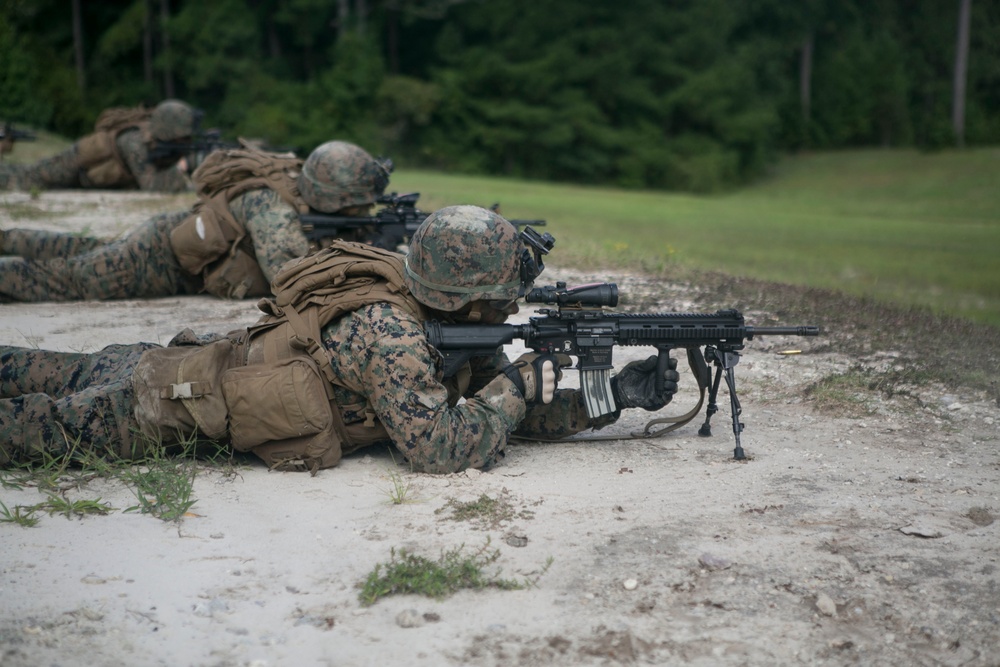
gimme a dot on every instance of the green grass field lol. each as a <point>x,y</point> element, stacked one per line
<point>900,226</point>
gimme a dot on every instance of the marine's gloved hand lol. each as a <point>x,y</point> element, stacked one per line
<point>535,376</point>
<point>635,385</point>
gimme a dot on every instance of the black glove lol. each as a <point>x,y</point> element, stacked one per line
<point>635,385</point>
<point>535,376</point>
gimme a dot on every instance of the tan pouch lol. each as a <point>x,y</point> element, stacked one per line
<point>236,276</point>
<point>179,390</point>
<point>94,148</point>
<point>275,401</point>
<point>107,174</point>
<point>198,240</point>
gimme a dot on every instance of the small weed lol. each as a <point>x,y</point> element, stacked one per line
<point>485,512</point>
<point>78,508</point>
<point>453,571</point>
<point>399,493</point>
<point>22,515</point>
<point>164,489</point>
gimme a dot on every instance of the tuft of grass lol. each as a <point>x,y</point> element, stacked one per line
<point>73,508</point>
<point>164,489</point>
<point>484,512</point>
<point>454,570</point>
<point>399,492</point>
<point>22,515</point>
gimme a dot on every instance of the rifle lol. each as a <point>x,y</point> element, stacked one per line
<point>196,149</point>
<point>580,326</point>
<point>391,227</point>
<point>8,135</point>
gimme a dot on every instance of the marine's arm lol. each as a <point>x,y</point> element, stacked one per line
<point>274,228</point>
<point>149,177</point>
<point>383,355</point>
<point>564,416</point>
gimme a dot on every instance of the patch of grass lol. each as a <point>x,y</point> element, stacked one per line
<point>485,512</point>
<point>844,394</point>
<point>454,570</point>
<point>22,515</point>
<point>73,508</point>
<point>853,393</point>
<point>162,481</point>
<point>24,211</point>
<point>164,489</point>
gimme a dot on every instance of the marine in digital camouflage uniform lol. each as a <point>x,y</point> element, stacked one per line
<point>337,177</point>
<point>169,121</point>
<point>463,265</point>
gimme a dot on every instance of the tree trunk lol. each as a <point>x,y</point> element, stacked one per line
<point>81,72</point>
<point>168,72</point>
<point>147,43</point>
<point>392,38</point>
<point>961,66</point>
<point>361,15</point>
<point>805,85</point>
<point>343,13</point>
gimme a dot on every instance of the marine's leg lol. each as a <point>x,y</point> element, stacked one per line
<point>89,408</point>
<point>61,170</point>
<point>38,244</point>
<point>97,420</point>
<point>58,374</point>
<point>140,265</point>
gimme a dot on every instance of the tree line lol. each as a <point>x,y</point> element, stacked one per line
<point>694,95</point>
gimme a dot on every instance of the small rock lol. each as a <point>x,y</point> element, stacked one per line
<point>826,605</point>
<point>409,618</point>
<point>712,562</point>
<point>630,584</point>
<point>517,540</point>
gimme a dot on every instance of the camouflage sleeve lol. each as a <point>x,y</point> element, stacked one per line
<point>274,228</point>
<point>381,352</point>
<point>564,416</point>
<point>149,177</point>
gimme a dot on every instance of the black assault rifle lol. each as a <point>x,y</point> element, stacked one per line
<point>580,326</point>
<point>8,135</point>
<point>195,149</point>
<point>391,227</point>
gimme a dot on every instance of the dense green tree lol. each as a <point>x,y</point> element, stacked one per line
<point>649,93</point>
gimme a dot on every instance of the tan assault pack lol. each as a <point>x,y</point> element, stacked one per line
<point>97,153</point>
<point>273,388</point>
<point>211,242</point>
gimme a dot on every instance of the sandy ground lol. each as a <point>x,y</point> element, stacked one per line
<point>866,540</point>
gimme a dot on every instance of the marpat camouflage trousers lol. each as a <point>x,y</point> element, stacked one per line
<point>65,267</point>
<point>58,171</point>
<point>65,403</point>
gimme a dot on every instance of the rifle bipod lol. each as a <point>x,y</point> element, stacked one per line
<point>724,362</point>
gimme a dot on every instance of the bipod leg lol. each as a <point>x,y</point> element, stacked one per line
<point>730,359</point>
<point>711,355</point>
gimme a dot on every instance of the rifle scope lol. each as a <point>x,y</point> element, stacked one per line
<point>594,295</point>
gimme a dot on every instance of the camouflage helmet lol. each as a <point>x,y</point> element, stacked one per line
<point>172,120</point>
<point>339,174</point>
<point>463,253</point>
